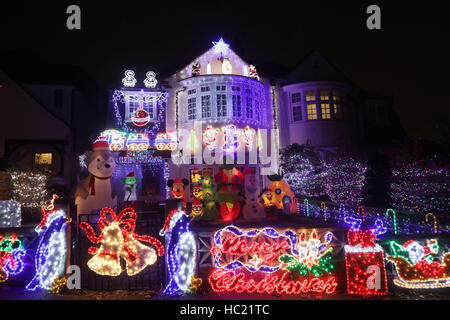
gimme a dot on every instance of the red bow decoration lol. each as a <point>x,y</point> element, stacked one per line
<point>363,238</point>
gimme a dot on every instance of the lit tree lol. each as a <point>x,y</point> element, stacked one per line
<point>302,170</point>
<point>344,180</point>
<point>29,188</point>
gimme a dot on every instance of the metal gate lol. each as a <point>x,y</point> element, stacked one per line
<point>151,278</point>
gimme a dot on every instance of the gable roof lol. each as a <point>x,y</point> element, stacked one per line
<point>315,67</point>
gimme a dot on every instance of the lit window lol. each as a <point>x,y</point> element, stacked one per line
<point>237,109</point>
<point>310,96</point>
<point>191,108</point>
<point>324,95</point>
<point>257,110</point>
<point>133,105</point>
<point>297,113</point>
<point>221,105</point>
<point>204,89</point>
<point>311,111</point>
<point>338,111</point>
<point>148,106</point>
<point>296,97</point>
<point>337,95</point>
<point>43,158</point>
<point>326,114</point>
<point>192,91</point>
<point>206,107</point>
<point>221,88</point>
<point>59,98</point>
<point>249,109</point>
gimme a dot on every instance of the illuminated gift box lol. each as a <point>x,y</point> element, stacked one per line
<point>10,214</point>
<point>364,260</point>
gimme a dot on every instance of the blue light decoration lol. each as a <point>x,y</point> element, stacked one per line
<point>51,252</point>
<point>355,223</point>
<point>12,256</point>
<point>181,254</point>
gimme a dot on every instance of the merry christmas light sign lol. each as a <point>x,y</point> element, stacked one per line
<point>269,261</point>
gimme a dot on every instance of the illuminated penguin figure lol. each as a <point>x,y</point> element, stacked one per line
<point>50,258</point>
<point>181,254</point>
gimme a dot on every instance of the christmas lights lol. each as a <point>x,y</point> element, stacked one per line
<point>29,188</point>
<point>10,214</point>
<point>394,218</point>
<point>181,253</point>
<point>129,80</point>
<point>364,261</point>
<point>220,47</point>
<point>12,256</point>
<point>435,221</point>
<point>150,80</point>
<point>274,283</point>
<point>50,256</point>
<point>210,137</point>
<point>420,266</point>
<point>118,240</point>
<point>166,141</point>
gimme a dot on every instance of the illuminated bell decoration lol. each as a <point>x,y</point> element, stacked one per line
<point>118,240</point>
<point>129,80</point>
<point>150,81</point>
<point>419,266</point>
<point>140,117</point>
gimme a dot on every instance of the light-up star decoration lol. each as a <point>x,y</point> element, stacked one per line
<point>220,47</point>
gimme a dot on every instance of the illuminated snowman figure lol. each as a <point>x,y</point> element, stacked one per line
<point>150,81</point>
<point>226,66</point>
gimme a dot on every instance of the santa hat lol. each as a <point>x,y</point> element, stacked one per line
<point>100,145</point>
<point>198,187</point>
<point>130,175</point>
<point>195,169</point>
<point>196,202</point>
<point>249,171</point>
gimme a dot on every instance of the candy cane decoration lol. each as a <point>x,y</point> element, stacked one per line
<point>362,211</point>
<point>305,202</point>
<point>435,222</point>
<point>394,218</point>
<point>324,206</point>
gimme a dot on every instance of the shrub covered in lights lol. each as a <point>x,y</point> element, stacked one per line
<point>302,170</point>
<point>29,188</point>
<point>420,186</point>
<point>344,180</point>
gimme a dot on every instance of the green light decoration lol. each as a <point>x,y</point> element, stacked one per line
<point>305,202</point>
<point>394,218</point>
<point>323,266</point>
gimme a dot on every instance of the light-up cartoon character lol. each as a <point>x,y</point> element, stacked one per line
<point>210,137</point>
<point>95,192</point>
<point>130,188</point>
<point>209,196</point>
<point>178,189</point>
<point>252,208</point>
<point>196,68</point>
<point>226,66</point>
<point>229,186</point>
<point>181,257</point>
<point>129,80</point>
<point>12,256</point>
<point>50,259</point>
<point>119,240</point>
<point>253,73</point>
<point>230,135</point>
<point>281,195</point>
<point>150,80</point>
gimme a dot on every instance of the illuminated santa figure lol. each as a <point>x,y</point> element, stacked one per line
<point>140,117</point>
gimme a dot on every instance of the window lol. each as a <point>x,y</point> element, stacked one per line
<point>249,109</point>
<point>221,105</point>
<point>221,88</point>
<point>148,106</point>
<point>43,158</point>
<point>297,113</point>
<point>325,108</point>
<point>204,89</point>
<point>234,88</point>
<point>133,104</point>
<point>192,91</point>
<point>58,101</point>
<point>237,108</point>
<point>192,104</point>
<point>338,111</point>
<point>296,97</point>
<point>310,96</point>
<point>311,111</point>
<point>324,95</point>
<point>206,107</point>
<point>337,96</point>
<point>257,110</point>
<point>248,91</point>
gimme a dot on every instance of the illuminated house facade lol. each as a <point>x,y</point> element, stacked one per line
<point>219,102</point>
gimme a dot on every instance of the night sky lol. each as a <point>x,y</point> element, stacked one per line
<point>408,59</point>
